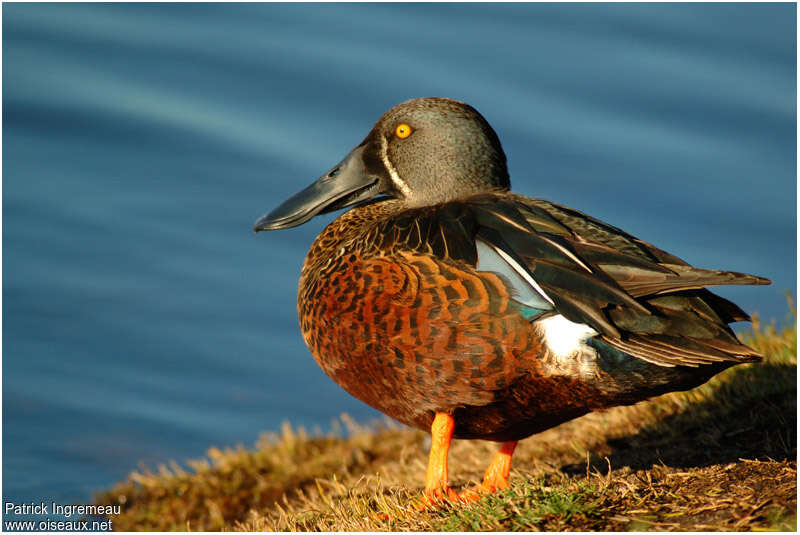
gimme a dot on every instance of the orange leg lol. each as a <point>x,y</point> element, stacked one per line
<point>496,476</point>
<point>436,488</point>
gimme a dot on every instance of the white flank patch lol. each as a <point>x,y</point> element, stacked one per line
<point>564,337</point>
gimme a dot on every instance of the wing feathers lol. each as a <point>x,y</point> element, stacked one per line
<point>526,290</point>
<point>639,281</point>
<point>641,300</point>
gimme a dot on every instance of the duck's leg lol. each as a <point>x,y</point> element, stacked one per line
<point>436,488</point>
<point>496,476</point>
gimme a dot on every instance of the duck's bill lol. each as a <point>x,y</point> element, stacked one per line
<point>346,184</point>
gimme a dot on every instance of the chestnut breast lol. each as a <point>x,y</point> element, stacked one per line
<point>406,332</point>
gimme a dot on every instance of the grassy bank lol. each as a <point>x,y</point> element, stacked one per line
<point>719,457</point>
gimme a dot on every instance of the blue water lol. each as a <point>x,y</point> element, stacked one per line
<point>143,319</point>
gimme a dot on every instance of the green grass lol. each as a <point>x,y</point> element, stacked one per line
<point>527,506</point>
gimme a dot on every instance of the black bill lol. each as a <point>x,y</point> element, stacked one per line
<point>346,184</point>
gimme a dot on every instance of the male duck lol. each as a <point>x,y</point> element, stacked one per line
<point>452,304</point>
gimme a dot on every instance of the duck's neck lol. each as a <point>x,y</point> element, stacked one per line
<point>444,192</point>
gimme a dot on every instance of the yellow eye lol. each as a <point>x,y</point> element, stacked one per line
<point>402,131</point>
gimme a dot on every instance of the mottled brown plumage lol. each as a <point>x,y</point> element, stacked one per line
<point>454,302</point>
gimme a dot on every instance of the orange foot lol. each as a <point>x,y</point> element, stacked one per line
<point>496,476</point>
<point>437,497</point>
<point>437,491</point>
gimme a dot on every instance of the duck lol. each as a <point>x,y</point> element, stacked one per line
<point>454,305</point>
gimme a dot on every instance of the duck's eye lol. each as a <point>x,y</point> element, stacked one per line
<point>402,131</point>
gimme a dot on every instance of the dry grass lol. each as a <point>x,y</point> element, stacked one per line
<point>719,457</point>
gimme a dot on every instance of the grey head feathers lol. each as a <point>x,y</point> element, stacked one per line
<point>450,153</point>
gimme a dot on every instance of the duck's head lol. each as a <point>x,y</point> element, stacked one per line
<point>423,152</point>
